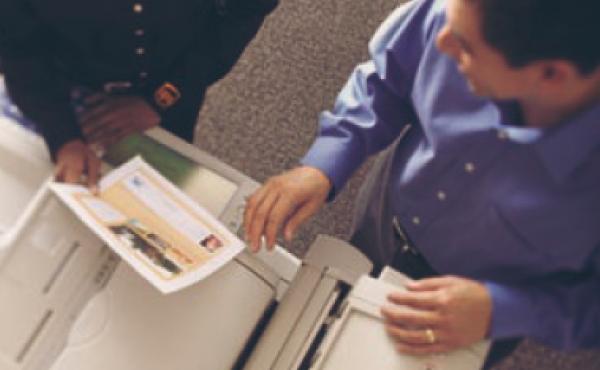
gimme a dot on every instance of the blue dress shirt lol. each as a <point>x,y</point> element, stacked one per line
<point>479,194</point>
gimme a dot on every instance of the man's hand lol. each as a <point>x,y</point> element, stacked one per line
<point>115,117</point>
<point>438,315</point>
<point>284,201</point>
<point>76,163</point>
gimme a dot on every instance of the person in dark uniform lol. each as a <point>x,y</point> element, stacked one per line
<point>133,64</point>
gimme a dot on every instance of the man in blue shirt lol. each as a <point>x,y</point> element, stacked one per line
<point>490,199</point>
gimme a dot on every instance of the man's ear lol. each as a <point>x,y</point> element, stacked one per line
<point>557,72</point>
<point>549,72</point>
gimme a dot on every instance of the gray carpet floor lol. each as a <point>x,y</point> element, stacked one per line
<point>263,116</point>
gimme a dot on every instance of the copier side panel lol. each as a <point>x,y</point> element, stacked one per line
<point>51,267</point>
<point>24,166</point>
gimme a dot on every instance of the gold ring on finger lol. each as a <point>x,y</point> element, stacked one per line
<point>430,334</point>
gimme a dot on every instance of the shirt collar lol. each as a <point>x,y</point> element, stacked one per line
<point>566,146</point>
<point>511,123</point>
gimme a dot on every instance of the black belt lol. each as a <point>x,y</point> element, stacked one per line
<point>407,258</point>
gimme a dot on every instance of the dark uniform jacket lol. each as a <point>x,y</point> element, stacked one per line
<point>47,47</point>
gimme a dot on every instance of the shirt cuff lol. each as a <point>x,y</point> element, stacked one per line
<point>328,154</point>
<point>514,312</point>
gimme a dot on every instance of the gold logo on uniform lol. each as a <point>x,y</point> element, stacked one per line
<point>166,95</point>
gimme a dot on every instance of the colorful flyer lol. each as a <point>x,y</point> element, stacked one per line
<point>164,235</point>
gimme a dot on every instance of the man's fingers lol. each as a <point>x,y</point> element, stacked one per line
<point>407,336</point>
<point>112,133</point>
<point>427,300</point>
<point>406,316</point>
<point>433,283</point>
<point>112,136</point>
<point>59,172</point>
<point>295,188</point>
<point>106,126</point>
<point>303,214</point>
<point>257,225</point>
<point>90,117</point>
<point>422,349</point>
<point>252,204</point>
<point>92,130</point>
<point>72,161</point>
<point>72,174</point>
<point>277,216</point>
<point>93,171</point>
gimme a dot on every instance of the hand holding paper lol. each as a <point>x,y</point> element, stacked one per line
<point>165,236</point>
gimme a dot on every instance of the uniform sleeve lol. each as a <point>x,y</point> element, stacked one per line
<point>374,105</point>
<point>230,28</point>
<point>237,23</point>
<point>561,311</point>
<point>33,83</point>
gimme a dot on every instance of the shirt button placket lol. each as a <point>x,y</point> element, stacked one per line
<point>139,32</point>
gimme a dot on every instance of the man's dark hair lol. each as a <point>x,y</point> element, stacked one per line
<point>525,31</point>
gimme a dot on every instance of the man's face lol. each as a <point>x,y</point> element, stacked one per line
<point>484,67</point>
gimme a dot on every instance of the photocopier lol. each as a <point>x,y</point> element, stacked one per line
<point>68,303</point>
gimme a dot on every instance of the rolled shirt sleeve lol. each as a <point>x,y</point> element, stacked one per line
<point>374,105</point>
<point>562,313</point>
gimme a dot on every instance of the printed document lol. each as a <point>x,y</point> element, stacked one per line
<point>164,235</point>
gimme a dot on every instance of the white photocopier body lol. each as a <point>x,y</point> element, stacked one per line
<point>67,303</point>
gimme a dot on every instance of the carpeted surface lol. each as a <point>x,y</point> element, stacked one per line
<point>262,117</point>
